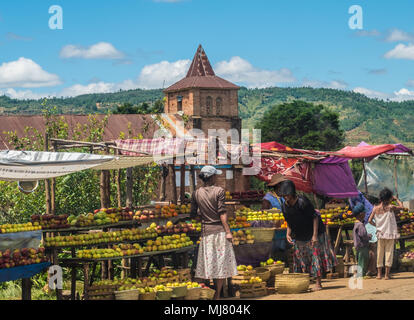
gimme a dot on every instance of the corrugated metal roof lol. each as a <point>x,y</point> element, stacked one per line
<point>117,123</point>
<point>201,75</point>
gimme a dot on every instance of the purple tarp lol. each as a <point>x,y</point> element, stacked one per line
<point>332,177</point>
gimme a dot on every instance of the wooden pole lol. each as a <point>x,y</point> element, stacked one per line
<point>163,182</point>
<point>174,185</point>
<point>129,186</point>
<point>53,187</point>
<point>365,176</point>
<point>118,187</point>
<point>182,183</point>
<point>192,179</point>
<point>47,181</point>
<point>395,176</point>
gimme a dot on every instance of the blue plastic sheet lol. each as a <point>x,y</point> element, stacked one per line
<point>22,272</point>
<point>20,240</point>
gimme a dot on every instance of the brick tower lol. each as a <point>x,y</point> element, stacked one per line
<point>210,101</point>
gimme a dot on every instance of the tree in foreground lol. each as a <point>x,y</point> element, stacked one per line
<point>302,125</point>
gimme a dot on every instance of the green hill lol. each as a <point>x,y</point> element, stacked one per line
<point>362,118</point>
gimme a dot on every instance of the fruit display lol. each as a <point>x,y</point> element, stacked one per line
<point>228,195</point>
<point>238,223</point>
<point>243,268</point>
<point>22,227</point>
<point>101,217</point>
<point>116,251</point>
<point>163,273</point>
<point>273,218</point>
<point>270,262</point>
<point>337,216</point>
<point>242,237</point>
<point>100,237</point>
<point>252,280</point>
<point>174,241</point>
<point>161,287</point>
<point>405,214</point>
<point>407,229</point>
<point>145,215</point>
<point>182,227</point>
<point>251,194</point>
<point>169,211</point>
<point>21,257</point>
<point>184,208</point>
<point>50,221</point>
<point>407,255</point>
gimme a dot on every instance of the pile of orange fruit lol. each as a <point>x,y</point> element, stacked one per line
<point>239,222</point>
<point>168,211</point>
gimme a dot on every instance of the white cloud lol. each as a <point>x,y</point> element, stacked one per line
<point>372,94</point>
<point>334,84</point>
<point>241,71</point>
<point>24,94</point>
<point>400,95</point>
<point>97,87</point>
<point>100,50</point>
<point>401,51</point>
<point>404,94</point>
<point>25,73</point>
<point>396,35</point>
<point>153,75</point>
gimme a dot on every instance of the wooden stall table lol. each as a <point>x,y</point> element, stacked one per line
<point>135,269</point>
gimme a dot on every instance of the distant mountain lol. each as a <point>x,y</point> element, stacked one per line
<point>371,120</point>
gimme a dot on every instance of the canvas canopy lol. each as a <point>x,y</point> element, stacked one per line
<point>39,165</point>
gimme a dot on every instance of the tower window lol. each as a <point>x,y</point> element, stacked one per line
<point>179,103</point>
<point>209,105</point>
<point>219,105</point>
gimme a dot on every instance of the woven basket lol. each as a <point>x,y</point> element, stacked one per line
<point>147,296</point>
<point>127,295</point>
<point>276,269</point>
<point>407,262</point>
<point>164,295</point>
<point>263,234</point>
<point>207,294</point>
<point>292,283</point>
<point>263,273</point>
<point>193,294</point>
<point>179,292</point>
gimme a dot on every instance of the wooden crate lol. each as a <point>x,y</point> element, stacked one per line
<point>247,294</point>
<point>260,292</point>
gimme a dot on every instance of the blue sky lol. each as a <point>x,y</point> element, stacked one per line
<point>109,45</point>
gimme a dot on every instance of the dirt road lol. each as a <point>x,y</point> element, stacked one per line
<point>401,287</point>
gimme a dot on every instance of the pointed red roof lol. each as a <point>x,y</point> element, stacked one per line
<point>200,65</point>
<point>201,75</point>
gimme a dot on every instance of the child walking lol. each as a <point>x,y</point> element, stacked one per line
<point>361,240</point>
<point>387,230</point>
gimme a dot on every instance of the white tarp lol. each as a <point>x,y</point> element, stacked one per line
<point>38,165</point>
<point>380,174</point>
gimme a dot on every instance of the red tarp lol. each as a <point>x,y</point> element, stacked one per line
<point>364,151</point>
